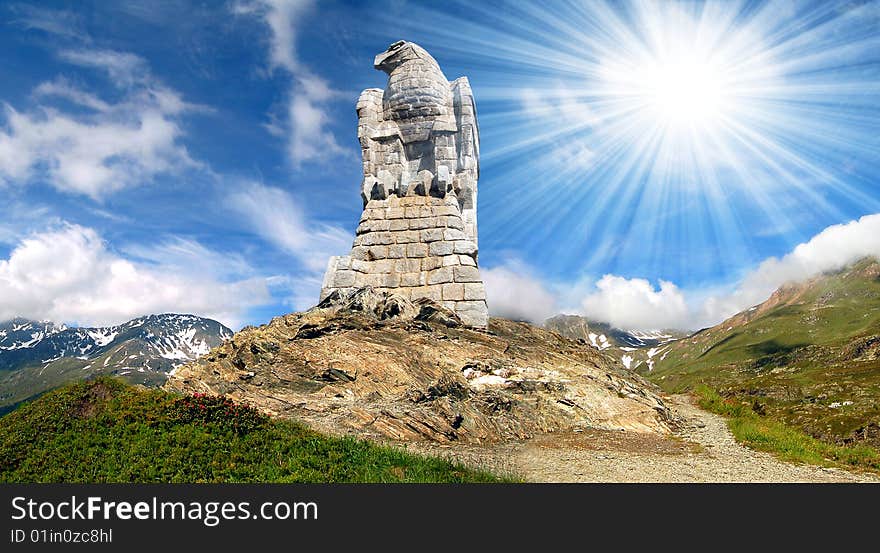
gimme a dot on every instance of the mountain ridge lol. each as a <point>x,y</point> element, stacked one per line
<point>39,355</point>
<point>809,356</point>
<point>631,348</point>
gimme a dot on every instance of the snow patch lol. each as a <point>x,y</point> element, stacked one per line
<point>102,336</point>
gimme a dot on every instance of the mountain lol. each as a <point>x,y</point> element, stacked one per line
<point>37,356</point>
<point>634,349</point>
<point>808,356</point>
<point>379,365</point>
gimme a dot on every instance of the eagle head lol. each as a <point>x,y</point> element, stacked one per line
<point>396,54</point>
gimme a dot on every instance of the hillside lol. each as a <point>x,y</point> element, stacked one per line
<point>634,349</point>
<point>809,356</point>
<point>107,431</point>
<point>38,356</point>
<point>377,365</point>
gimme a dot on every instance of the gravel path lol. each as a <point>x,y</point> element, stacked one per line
<point>704,451</point>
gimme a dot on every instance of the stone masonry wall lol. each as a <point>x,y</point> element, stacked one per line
<point>416,247</point>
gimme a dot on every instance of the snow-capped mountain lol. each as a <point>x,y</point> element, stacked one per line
<point>632,348</point>
<point>35,356</point>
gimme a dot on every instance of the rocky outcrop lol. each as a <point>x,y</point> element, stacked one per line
<point>380,365</point>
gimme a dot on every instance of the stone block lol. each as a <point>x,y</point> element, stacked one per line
<point>431,292</point>
<point>377,252</point>
<point>408,265</point>
<point>442,275</point>
<point>371,279</point>
<point>413,212</point>
<point>453,292</point>
<point>382,238</point>
<point>395,213</point>
<point>421,223</point>
<point>360,253</point>
<point>397,225</point>
<point>406,236</point>
<point>390,280</point>
<point>416,250</point>
<point>474,291</point>
<point>450,260</point>
<point>371,225</point>
<point>360,265</point>
<point>383,266</point>
<point>466,274</point>
<point>411,279</point>
<point>467,260</point>
<point>464,247</point>
<point>396,251</point>
<point>441,248</point>
<point>431,263</point>
<point>431,235</point>
<point>452,234</point>
<point>455,222</point>
<point>342,279</point>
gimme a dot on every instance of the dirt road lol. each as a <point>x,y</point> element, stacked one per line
<point>704,451</point>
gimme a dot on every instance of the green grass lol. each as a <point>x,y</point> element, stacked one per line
<point>108,431</point>
<point>787,443</point>
<point>810,363</point>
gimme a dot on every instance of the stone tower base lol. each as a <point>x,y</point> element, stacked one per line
<point>416,247</point>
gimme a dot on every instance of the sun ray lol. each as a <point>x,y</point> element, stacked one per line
<point>673,139</point>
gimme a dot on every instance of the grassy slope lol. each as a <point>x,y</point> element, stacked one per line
<point>107,431</point>
<point>767,434</point>
<point>794,360</point>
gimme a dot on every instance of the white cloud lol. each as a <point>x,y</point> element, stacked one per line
<point>91,157</point>
<point>114,146</point>
<point>513,292</point>
<point>123,68</point>
<point>309,138</point>
<point>61,88</point>
<point>307,117</point>
<point>69,274</point>
<point>274,215</point>
<point>282,17</point>
<point>635,303</point>
<point>61,23</point>
<point>834,248</point>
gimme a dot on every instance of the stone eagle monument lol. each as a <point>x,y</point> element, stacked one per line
<point>421,155</point>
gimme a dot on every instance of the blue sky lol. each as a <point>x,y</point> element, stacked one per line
<point>202,157</point>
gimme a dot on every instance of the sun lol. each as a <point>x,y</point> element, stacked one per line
<point>683,90</point>
<point>684,79</point>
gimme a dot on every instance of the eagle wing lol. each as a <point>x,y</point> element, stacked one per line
<point>468,147</point>
<point>369,111</point>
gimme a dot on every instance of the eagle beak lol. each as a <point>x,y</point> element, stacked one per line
<point>379,62</point>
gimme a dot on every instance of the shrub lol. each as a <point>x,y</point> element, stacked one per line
<point>217,410</point>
